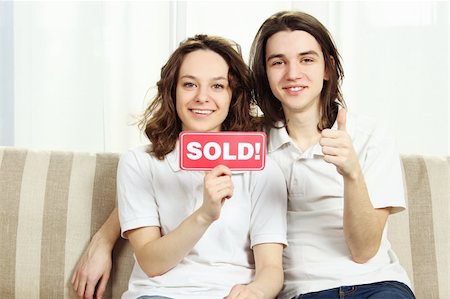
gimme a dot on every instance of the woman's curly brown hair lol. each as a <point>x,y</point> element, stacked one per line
<point>160,121</point>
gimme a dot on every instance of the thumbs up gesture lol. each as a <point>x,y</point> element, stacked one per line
<point>342,120</point>
<point>338,149</point>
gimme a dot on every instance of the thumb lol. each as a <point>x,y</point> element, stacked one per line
<point>342,119</point>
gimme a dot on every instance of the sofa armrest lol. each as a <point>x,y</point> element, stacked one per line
<point>420,235</point>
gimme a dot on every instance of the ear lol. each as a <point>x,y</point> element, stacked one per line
<point>326,76</point>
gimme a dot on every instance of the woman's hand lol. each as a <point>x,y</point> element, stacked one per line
<point>240,291</point>
<point>218,187</point>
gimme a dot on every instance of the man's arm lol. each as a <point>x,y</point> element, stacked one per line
<point>363,224</point>
<point>158,254</point>
<point>92,271</point>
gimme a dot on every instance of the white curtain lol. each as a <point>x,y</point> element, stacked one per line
<point>84,70</point>
<point>73,75</point>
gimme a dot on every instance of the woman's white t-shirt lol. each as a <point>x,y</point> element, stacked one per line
<point>158,193</point>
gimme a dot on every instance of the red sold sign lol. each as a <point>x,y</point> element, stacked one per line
<point>236,150</point>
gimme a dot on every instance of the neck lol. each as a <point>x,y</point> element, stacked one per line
<point>302,128</point>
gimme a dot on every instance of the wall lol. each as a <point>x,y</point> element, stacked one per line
<point>74,75</point>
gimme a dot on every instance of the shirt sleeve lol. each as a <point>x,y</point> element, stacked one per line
<point>382,170</point>
<point>135,195</point>
<point>269,204</point>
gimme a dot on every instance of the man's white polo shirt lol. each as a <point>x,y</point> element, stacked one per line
<point>317,257</point>
<point>157,193</point>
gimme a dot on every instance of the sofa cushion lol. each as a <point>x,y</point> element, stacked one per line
<point>51,204</point>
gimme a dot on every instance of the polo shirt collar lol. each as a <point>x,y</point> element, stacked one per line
<point>279,137</point>
<point>173,158</point>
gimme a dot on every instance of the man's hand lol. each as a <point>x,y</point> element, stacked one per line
<point>338,149</point>
<point>92,271</point>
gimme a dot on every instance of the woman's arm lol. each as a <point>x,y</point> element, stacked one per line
<point>158,254</point>
<point>92,271</point>
<point>268,277</point>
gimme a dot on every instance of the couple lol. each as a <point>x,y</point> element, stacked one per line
<point>333,178</point>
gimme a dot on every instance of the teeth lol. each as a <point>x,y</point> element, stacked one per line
<point>206,112</point>
<point>296,88</point>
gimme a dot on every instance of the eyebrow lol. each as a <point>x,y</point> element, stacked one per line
<point>195,78</point>
<point>310,52</point>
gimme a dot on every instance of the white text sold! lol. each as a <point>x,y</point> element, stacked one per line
<point>236,150</point>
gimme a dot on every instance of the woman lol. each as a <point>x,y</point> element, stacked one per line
<point>196,235</point>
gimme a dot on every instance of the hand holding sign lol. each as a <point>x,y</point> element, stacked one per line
<point>236,150</point>
<point>337,147</point>
<point>218,187</point>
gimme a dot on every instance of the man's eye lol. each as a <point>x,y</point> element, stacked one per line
<point>218,86</point>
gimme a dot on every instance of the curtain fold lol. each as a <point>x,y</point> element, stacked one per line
<point>6,74</point>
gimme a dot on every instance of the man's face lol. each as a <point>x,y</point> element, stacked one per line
<point>295,69</point>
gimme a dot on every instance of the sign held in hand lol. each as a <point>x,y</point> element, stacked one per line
<point>236,150</point>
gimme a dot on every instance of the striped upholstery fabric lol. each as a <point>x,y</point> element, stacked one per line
<point>52,202</point>
<point>420,235</point>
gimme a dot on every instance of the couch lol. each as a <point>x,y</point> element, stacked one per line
<point>52,202</point>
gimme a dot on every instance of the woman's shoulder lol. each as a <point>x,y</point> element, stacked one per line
<point>139,154</point>
<point>141,150</point>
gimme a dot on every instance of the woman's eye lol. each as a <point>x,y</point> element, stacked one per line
<point>307,60</point>
<point>218,86</point>
<point>188,84</point>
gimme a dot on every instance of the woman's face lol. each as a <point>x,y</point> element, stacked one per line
<point>203,93</point>
<point>296,70</point>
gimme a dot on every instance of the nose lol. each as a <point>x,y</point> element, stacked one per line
<point>202,95</point>
<point>294,71</point>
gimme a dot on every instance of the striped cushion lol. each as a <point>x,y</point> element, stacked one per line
<point>52,202</point>
<point>420,235</point>
<point>50,205</point>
